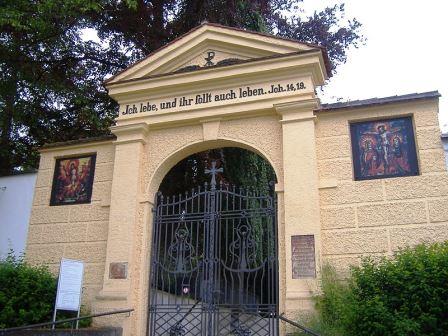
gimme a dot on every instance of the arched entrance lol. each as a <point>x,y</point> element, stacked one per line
<point>169,110</point>
<point>214,262</point>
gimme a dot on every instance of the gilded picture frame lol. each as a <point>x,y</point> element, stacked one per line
<point>73,180</point>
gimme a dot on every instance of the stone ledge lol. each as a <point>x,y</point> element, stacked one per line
<point>102,138</point>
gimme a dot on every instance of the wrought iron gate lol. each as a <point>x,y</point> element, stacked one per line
<point>214,263</point>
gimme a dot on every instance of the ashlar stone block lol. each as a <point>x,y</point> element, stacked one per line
<point>438,210</point>
<point>44,178</point>
<point>63,233</point>
<point>354,241</point>
<point>411,236</point>
<point>352,192</point>
<point>93,273</point>
<point>42,196</point>
<point>47,161</point>
<point>88,212</point>
<point>89,252</point>
<point>432,161</point>
<point>392,214</point>
<point>47,214</point>
<point>342,264</point>
<point>333,147</point>
<point>101,191</point>
<point>426,117</point>
<point>105,153</point>
<point>428,138</point>
<point>34,234</point>
<point>97,231</point>
<point>104,172</point>
<point>337,218</point>
<point>39,254</point>
<point>416,187</point>
<point>340,169</point>
<point>332,126</point>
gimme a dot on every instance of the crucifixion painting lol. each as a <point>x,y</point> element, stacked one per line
<point>383,148</point>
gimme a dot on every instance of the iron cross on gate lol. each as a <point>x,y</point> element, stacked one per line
<point>213,171</point>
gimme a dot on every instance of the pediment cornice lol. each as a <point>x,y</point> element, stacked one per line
<point>195,48</point>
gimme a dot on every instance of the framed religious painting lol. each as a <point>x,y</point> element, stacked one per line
<point>73,180</point>
<point>383,148</point>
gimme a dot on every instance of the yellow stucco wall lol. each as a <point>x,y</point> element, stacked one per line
<point>163,149</point>
<point>73,231</point>
<point>308,148</point>
<point>378,217</point>
<point>257,134</point>
<point>357,218</point>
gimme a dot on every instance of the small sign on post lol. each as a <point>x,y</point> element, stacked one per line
<point>68,296</point>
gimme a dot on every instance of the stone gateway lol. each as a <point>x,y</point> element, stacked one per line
<point>353,179</point>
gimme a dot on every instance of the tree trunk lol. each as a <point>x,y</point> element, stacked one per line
<point>6,154</point>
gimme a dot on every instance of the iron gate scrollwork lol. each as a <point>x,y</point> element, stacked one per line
<point>214,268</point>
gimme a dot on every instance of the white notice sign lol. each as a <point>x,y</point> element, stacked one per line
<point>68,296</point>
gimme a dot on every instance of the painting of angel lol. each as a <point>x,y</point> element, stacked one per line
<point>383,148</point>
<point>73,179</point>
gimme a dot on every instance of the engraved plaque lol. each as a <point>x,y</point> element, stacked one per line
<point>118,270</point>
<point>303,257</point>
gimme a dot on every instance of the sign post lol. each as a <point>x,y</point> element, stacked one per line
<point>68,296</point>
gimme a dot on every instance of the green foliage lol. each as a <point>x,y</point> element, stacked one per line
<point>336,303</point>
<point>241,168</point>
<point>50,79</point>
<point>402,296</point>
<point>248,169</point>
<point>407,295</point>
<point>334,306</point>
<point>27,293</point>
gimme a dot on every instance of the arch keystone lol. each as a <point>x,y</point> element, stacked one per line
<point>210,129</point>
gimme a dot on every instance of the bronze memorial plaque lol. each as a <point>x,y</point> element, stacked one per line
<point>303,257</point>
<point>118,270</point>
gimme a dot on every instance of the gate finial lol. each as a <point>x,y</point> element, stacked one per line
<point>213,171</point>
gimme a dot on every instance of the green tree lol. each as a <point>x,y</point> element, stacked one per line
<point>27,293</point>
<point>51,79</point>
<point>241,168</point>
<point>403,295</point>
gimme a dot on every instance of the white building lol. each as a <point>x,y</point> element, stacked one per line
<point>16,197</point>
<point>445,147</point>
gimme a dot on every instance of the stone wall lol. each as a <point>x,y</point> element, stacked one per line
<point>357,218</point>
<point>72,231</point>
<point>378,217</point>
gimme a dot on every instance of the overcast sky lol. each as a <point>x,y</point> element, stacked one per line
<point>406,51</point>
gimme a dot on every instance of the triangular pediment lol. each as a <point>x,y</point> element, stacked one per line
<point>209,45</point>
